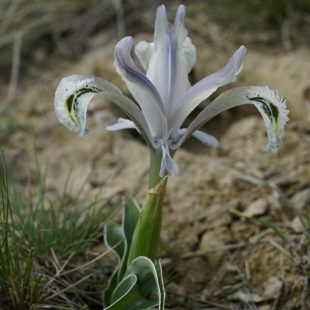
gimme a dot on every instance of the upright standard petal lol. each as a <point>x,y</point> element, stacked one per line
<point>144,51</point>
<point>170,59</point>
<point>141,88</point>
<point>203,89</point>
<point>189,54</point>
<point>159,65</point>
<point>183,57</point>
<point>269,104</point>
<point>74,93</point>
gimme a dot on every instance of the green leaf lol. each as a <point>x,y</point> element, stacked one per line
<point>132,299</point>
<point>131,212</point>
<point>141,288</point>
<point>113,234</point>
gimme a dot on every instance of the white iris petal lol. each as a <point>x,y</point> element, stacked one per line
<point>271,106</point>
<point>74,93</point>
<point>205,138</point>
<point>144,52</point>
<point>121,124</point>
<point>168,165</point>
<point>273,110</point>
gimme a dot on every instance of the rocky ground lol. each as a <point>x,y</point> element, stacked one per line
<point>232,217</point>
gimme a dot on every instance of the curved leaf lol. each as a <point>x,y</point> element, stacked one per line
<point>113,234</point>
<point>141,288</point>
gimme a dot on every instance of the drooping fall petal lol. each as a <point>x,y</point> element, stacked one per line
<point>74,93</point>
<point>271,106</point>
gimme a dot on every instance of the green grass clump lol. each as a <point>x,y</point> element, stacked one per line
<point>44,246</point>
<point>19,286</point>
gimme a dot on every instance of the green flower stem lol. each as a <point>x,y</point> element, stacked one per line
<point>147,232</point>
<point>155,163</point>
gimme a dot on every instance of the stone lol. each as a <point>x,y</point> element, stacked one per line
<point>272,288</point>
<point>256,208</point>
<point>247,296</point>
<point>301,200</point>
<point>296,225</point>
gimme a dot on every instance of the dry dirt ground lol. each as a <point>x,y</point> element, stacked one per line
<point>231,216</point>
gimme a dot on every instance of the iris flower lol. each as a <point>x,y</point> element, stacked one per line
<point>163,95</point>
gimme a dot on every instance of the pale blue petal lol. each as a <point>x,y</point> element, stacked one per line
<point>203,89</point>
<point>140,87</point>
<point>121,124</point>
<point>205,138</point>
<point>159,65</point>
<point>173,57</point>
<point>168,165</point>
<point>269,104</point>
<point>189,54</point>
<point>74,93</point>
<point>183,57</point>
<point>181,54</point>
<point>144,52</point>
